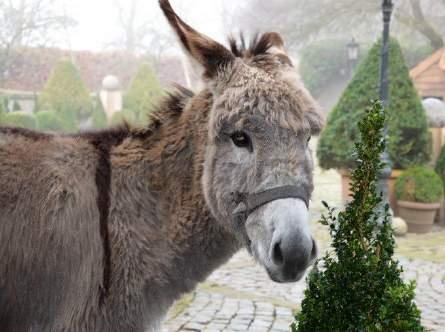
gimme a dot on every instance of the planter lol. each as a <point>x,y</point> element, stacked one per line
<point>392,190</point>
<point>346,192</point>
<point>418,216</point>
<point>440,215</point>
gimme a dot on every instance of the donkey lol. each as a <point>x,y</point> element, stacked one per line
<point>103,231</point>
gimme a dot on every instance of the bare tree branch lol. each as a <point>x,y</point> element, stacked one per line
<point>423,26</point>
<point>303,21</point>
<point>139,35</point>
<point>27,23</point>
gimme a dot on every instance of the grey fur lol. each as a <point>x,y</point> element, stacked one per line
<point>158,199</point>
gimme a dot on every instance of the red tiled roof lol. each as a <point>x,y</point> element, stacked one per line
<point>31,67</point>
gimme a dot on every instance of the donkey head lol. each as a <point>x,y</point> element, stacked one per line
<point>258,167</point>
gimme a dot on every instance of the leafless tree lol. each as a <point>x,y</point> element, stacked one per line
<point>302,21</point>
<point>140,32</point>
<point>426,17</point>
<point>27,23</point>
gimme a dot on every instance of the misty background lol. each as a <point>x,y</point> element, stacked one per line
<point>316,32</point>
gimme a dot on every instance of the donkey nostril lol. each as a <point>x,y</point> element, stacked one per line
<point>277,256</point>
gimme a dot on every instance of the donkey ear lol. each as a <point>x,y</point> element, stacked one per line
<point>273,43</point>
<point>207,52</point>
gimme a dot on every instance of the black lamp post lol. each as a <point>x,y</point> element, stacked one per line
<point>353,50</point>
<point>387,8</point>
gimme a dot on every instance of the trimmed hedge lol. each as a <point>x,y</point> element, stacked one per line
<point>19,119</point>
<point>71,122</point>
<point>419,184</point>
<point>49,121</point>
<point>321,63</point>
<point>2,106</point>
<point>65,92</point>
<point>124,116</point>
<point>408,141</point>
<point>16,106</point>
<point>143,94</point>
<point>99,118</point>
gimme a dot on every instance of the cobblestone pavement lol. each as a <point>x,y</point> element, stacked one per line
<point>240,297</point>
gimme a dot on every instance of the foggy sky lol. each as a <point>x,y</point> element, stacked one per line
<point>96,20</point>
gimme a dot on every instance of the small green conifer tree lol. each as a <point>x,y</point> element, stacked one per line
<point>358,286</point>
<point>65,93</point>
<point>408,142</point>
<point>143,94</point>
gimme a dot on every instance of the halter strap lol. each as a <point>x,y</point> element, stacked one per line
<point>247,203</point>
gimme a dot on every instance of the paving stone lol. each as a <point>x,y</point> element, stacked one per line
<point>245,299</point>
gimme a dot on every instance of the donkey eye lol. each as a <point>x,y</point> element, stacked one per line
<point>309,139</point>
<point>241,140</point>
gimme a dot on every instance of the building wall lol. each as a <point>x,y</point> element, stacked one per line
<point>431,83</point>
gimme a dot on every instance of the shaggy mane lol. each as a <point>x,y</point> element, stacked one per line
<point>170,107</point>
<point>259,44</point>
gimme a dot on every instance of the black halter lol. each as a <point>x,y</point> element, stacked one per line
<point>247,203</point>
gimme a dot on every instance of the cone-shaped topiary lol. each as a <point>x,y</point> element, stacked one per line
<point>358,286</point>
<point>408,142</point>
<point>143,93</point>
<point>49,121</point>
<point>99,117</point>
<point>19,119</point>
<point>65,92</point>
<point>124,116</point>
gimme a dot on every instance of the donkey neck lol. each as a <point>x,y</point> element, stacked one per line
<point>167,168</point>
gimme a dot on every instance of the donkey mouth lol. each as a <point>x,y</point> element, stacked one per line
<point>287,277</point>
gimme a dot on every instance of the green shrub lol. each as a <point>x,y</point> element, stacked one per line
<point>419,184</point>
<point>143,94</point>
<point>408,141</point>
<point>99,118</point>
<point>125,115</point>
<point>16,106</point>
<point>71,123</point>
<point>321,63</point>
<point>358,286</point>
<point>3,106</point>
<point>49,121</point>
<point>19,119</point>
<point>65,92</point>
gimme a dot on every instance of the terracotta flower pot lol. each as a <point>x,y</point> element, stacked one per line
<point>440,215</point>
<point>418,216</point>
<point>346,192</point>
